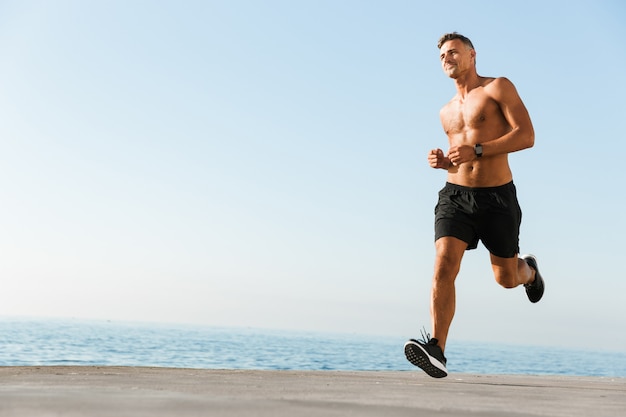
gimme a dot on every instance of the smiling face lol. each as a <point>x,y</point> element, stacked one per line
<point>456,58</point>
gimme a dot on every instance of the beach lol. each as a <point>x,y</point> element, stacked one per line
<point>148,391</point>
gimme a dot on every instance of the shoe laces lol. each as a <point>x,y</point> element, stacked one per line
<point>431,341</point>
<point>426,339</point>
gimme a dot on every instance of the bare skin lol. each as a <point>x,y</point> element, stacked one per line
<point>486,111</point>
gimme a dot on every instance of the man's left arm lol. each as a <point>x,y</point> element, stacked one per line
<point>522,134</point>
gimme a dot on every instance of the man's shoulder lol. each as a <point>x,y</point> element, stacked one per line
<point>500,88</point>
<point>450,106</point>
<point>497,83</point>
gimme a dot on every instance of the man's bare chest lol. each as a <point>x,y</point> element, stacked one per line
<point>476,112</point>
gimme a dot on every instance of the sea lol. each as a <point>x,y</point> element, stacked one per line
<point>54,342</point>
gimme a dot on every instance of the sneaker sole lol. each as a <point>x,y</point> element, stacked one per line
<point>420,358</point>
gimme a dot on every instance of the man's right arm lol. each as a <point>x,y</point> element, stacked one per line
<point>436,159</point>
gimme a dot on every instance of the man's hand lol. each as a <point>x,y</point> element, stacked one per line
<point>460,154</point>
<point>436,159</point>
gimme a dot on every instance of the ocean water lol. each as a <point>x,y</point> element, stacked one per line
<point>76,342</point>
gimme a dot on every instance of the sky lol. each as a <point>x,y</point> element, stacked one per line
<point>263,164</point>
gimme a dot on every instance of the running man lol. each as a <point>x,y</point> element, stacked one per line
<point>485,121</point>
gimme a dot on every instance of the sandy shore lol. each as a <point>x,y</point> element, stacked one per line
<point>128,391</point>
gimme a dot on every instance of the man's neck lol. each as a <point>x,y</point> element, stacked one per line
<point>466,83</point>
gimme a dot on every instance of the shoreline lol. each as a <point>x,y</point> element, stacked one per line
<point>137,391</point>
<point>45,342</point>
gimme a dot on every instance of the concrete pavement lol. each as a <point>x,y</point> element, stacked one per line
<point>134,392</point>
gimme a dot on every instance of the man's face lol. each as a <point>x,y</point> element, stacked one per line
<point>456,58</point>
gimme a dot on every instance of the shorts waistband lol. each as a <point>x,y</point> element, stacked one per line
<point>506,186</point>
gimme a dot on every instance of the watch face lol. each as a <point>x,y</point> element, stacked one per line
<point>479,150</point>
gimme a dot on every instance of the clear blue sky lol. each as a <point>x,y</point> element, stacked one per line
<point>263,164</point>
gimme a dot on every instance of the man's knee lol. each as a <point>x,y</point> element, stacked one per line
<point>507,279</point>
<point>447,266</point>
<point>505,271</point>
<point>449,252</point>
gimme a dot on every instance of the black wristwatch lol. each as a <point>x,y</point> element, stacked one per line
<point>478,150</point>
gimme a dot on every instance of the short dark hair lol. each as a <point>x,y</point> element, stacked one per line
<point>454,35</point>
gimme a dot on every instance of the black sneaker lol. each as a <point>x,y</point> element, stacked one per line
<point>426,355</point>
<point>534,290</point>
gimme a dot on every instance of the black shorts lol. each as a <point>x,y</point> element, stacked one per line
<point>491,215</point>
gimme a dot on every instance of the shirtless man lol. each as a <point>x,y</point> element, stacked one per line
<point>485,121</point>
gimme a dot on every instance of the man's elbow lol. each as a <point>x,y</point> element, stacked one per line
<point>530,140</point>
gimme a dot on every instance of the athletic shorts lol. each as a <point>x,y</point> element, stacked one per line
<point>491,215</point>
